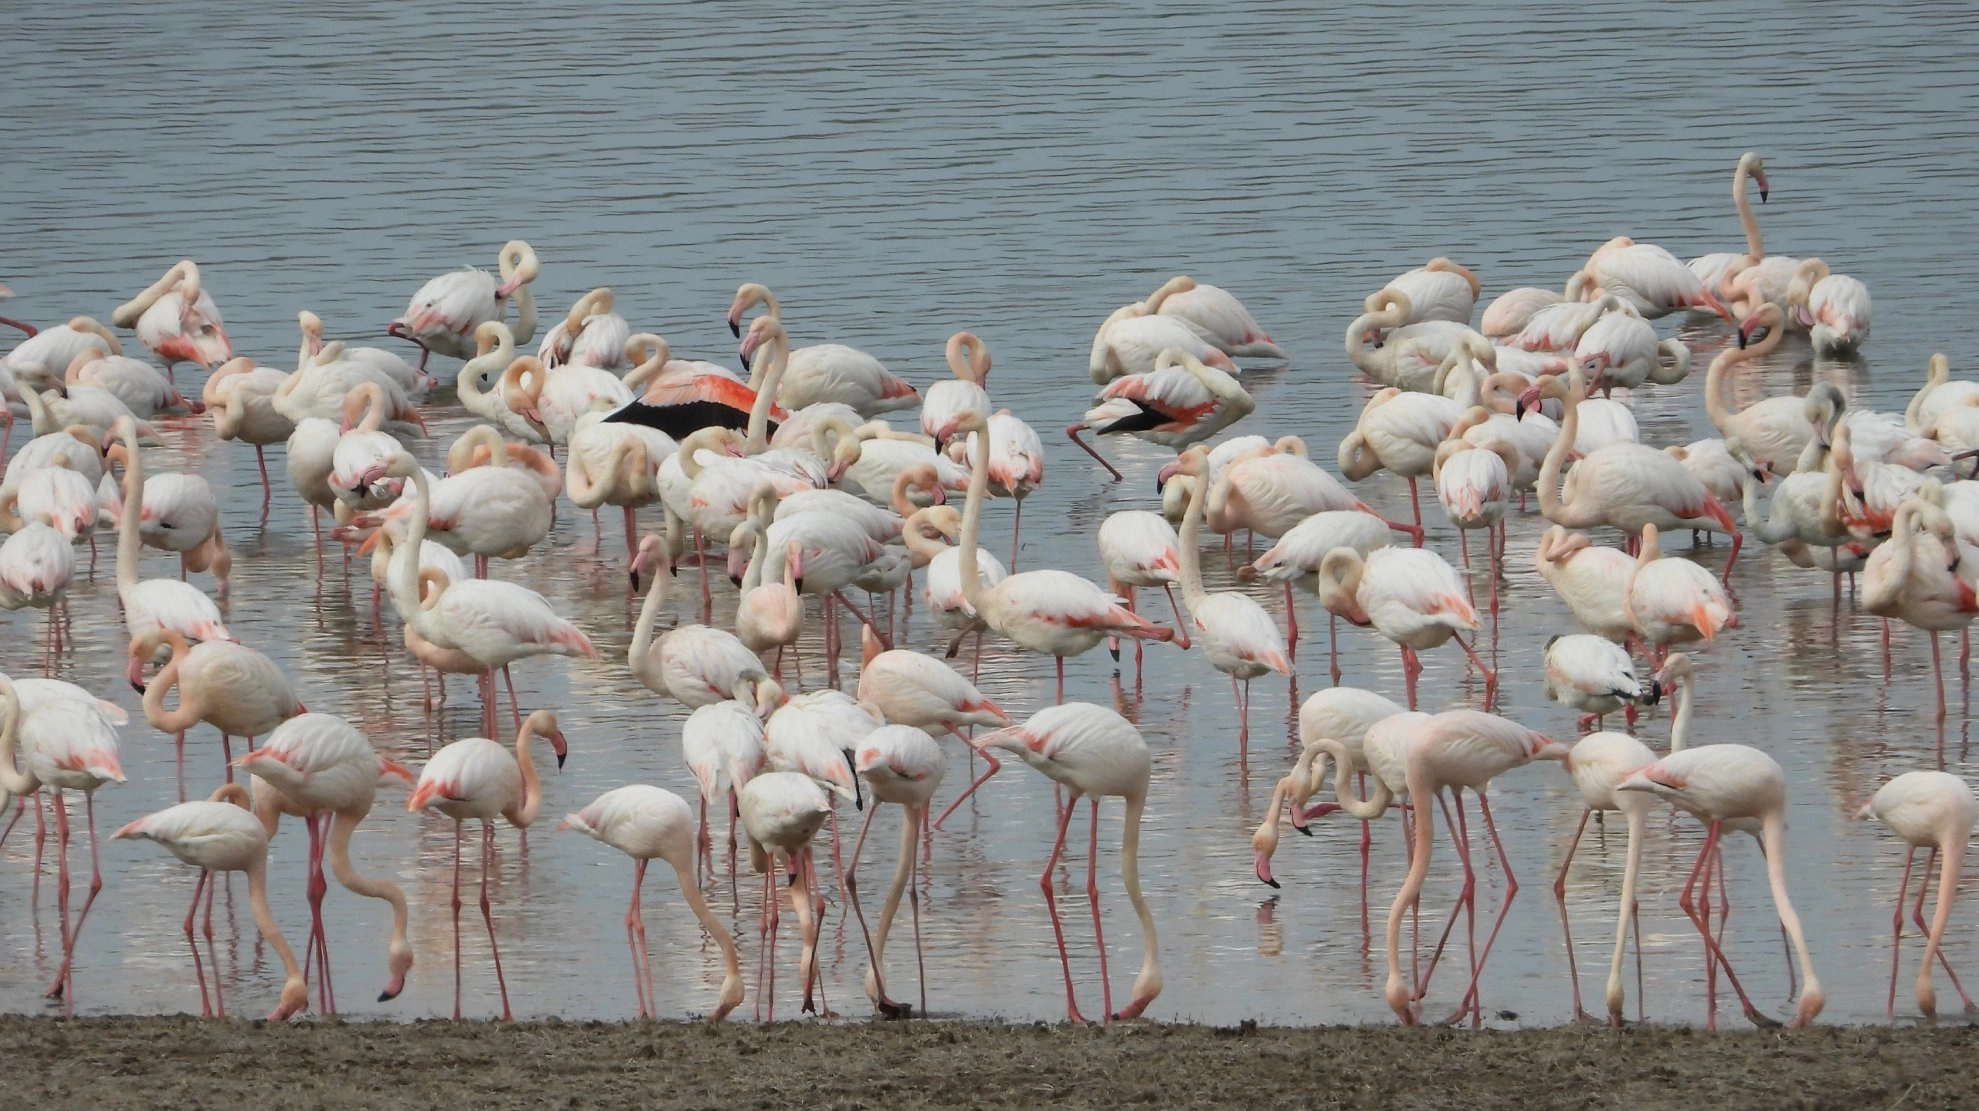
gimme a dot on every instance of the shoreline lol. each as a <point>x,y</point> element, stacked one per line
<point>110,1063</point>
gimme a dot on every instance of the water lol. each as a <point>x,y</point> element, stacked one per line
<point>898,174</point>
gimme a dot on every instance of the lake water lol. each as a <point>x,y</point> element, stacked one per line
<point>897,173</point>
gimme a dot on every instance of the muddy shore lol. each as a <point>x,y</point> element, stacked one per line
<point>115,1063</point>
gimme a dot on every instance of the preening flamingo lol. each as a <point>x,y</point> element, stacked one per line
<point>969,359</point>
<point>826,371</point>
<point>1593,581</point>
<point>1409,595</point>
<point>1404,355</point>
<point>176,318</point>
<point>1650,279</point>
<point>1834,308</point>
<point>445,313</point>
<point>648,823</point>
<point>1130,341</point>
<point>1594,675</point>
<point>240,397</point>
<point>221,836</point>
<point>1180,402</point>
<point>693,664</point>
<point>1670,600</point>
<point>478,778</point>
<point>1218,317</point>
<point>1093,753</point>
<point>413,381</point>
<point>590,334</point>
<point>1934,810</point>
<point>1914,576</point>
<point>143,390</point>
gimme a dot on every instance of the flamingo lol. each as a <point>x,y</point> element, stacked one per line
<point>591,334</point>
<point>1138,549</point>
<point>68,742</point>
<point>1649,279</point>
<point>151,605</point>
<point>1235,632</point>
<point>1181,401</point>
<point>1594,675</point>
<point>487,511</point>
<point>694,664</point>
<point>1624,485</point>
<point>943,590</point>
<point>969,359</point>
<point>1130,341</point>
<point>319,387</point>
<point>320,768</point>
<point>680,398</point>
<point>903,765</point>
<point>494,623</point>
<point>1723,783</point>
<point>478,778</point>
<point>227,685</point>
<point>1509,312</point>
<point>1297,557</point>
<point>1771,431</point>
<point>1833,307</point>
<point>1454,750</point>
<point>221,836</point>
<point>445,313</point>
<point>1622,349</point>
<point>1048,611</point>
<point>722,745</point>
<point>1939,394</point>
<point>1270,489</point>
<point>1437,290</point>
<point>357,466</point>
<point>413,381</point>
<point>1934,810</point>
<point>1218,317</point>
<point>769,614</point>
<point>38,357</point>
<point>1474,486</point>
<point>1592,580</point>
<point>175,317</point>
<point>1711,462</point>
<point>143,390</point>
<point>1671,600</point>
<point>1597,763</point>
<point>1405,355</point>
<point>55,496</point>
<point>1333,726</point>
<point>782,812</point>
<point>1399,431</point>
<point>560,396</point>
<point>180,514</point>
<point>36,566</point>
<point>1713,269</point>
<point>1913,576</point>
<point>1093,753</point>
<point>648,823</point>
<point>1410,596</point>
<point>616,464</point>
<point>1016,465</point>
<point>239,396</point>
<point>908,688</point>
<point>826,371</point>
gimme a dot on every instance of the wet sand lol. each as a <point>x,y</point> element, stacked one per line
<point>114,1063</point>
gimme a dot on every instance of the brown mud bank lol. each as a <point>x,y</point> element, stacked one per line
<point>114,1063</point>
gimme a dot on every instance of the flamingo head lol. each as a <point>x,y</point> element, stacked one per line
<point>558,745</point>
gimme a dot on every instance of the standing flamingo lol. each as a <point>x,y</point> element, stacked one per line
<point>1093,752</point>
<point>782,812</point>
<point>722,746</point>
<point>647,823</point>
<point>1297,557</point>
<point>152,604</point>
<point>231,687</point>
<point>1913,576</point>
<point>694,664</point>
<point>322,769</point>
<point>903,765</point>
<point>1833,307</point>
<point>445,313</point>
<point>175,317</point>
<point>1181,401</point>
<point>1671,600</point>
<point>239,396</point>
<point>1235,632</point>
<point>591,334</point>
<point>478,778</point>
<point>1048,611</point>
<point>1474,486</point>
<point>826,371</point>
<point>1597,763</point>
<point>1724,783</point>
<point>221,836</point>
<point>1933,810</point>
<point>1217,316</point>
<point>1714,268</point>
<point>969,359</point>
<point>1409,595</point>
<point>1139,549</point>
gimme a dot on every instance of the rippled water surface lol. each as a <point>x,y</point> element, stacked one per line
<point>896,173</point>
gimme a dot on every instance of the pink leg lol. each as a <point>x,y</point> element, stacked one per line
<point>456,911</point>
<point>1490,676</point>
<point>514,710</point>
<point>1072,431</point>
<point>63,977</point>
<point>1896,925</point>
<point>989,758</point>
<point>1057,928</point>
<point>212,952</point>
<point>635,927</point>
<point>1411,667</point>
<point>488,914</point>
<point>1291,623</point>
<point>1511,892</point>
<point>1712,950</point>
<point>1566,926</point>
<point>62,885</point>
<point>1092,900</point>
<point>192,941</point>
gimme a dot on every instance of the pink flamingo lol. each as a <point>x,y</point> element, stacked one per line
<point>969,359</point>
<point>1181,401</point>
<point>1933,810</point>
<point>1913,576</point>
<point>826,371</point>
<point>1673,601</point>
<point>1650,279</point>
<point>478,778</point>
<point>782,812</point>
<point>1720,784</point>
<point>649,823</point>
<point>1093,753</point>
<point>445,312</point>
<point>1217,316</point>
<point>221,836</point>
<point>902,764</point>
<point>1140,549</point>
<point>231,687</point>
<point>176,318</point>
<point>1409,595</point>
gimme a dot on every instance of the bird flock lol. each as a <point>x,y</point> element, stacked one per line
<point>806,479</point>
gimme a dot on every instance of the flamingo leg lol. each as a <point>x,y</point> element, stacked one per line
<point>1072,432</point>
<point>1057,927</point>
<point>635,928</point>
<point>989,757</point>
<point>1504,908</point>
<point>1092,900</point>
<point>212,952</point>
<point>456,916</point>
<point>1896,926</point>
<point>1333,646</point>
<point>1566,925</point>
<point>488,914</point>
<point>1714,953</point>
<point>1490,675</point>
<point>1411,667</point>
<point>192,940</point>
<point>1291,623</point>
<point>62,887</point>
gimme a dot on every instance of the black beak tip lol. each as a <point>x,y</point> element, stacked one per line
<point>634,576</point>
<point>1762,196</point>
<point>1305,829</point>
<point>138,687</point>
<point>1518,410</point>
<point>735,326</point>
<point>1273,884</point>
<point>560,759</point>
<point>1741,337</point>
<point>735,580</point>
<point>387,996</point>
<point>745,362</point>
<point>1114,652</point>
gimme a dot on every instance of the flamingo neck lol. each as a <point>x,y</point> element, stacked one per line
<point>295,984</point>
<point>639,656</point>
<point>532,787</point>
<point>1753,245</point>
<point>1556,455</point>
<point>398,949</point>
<point>130,513</point>
<point>13,781</point>
<point>188,713</point>
<point>759,412</point>
<point>1192,520</point>
<point>972,524</point>
<point>1148,984</point>
<point>1680,722</point>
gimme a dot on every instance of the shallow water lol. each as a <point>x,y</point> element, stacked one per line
<point>1019,171</point>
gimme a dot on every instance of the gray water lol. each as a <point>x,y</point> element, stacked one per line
<point>899,172</point>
